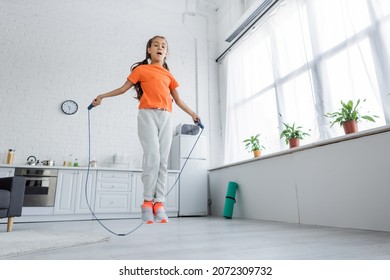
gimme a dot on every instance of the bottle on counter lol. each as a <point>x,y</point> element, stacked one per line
<point>10,156</point>
<point>76,163</point>
<point>70,163</point>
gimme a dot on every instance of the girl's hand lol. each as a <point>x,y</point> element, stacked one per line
<point>198,122</point>
<point>196,118</point>
<point>97,101</point>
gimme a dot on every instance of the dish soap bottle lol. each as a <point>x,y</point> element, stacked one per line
<point>70,160</point>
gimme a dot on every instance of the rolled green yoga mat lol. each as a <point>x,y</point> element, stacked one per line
<point>230,200</point>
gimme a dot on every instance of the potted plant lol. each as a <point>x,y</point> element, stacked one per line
<point>293,134</point>
<point>348,116</point>
<point>252,144</point>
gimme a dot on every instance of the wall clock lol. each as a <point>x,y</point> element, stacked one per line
<point>69,107</point>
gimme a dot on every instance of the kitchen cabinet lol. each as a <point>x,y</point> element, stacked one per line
<point>113,192</point>
<point>171,201</point>
<point>7,172</point>
<point>138,193</point>
<point>72,192</point>
<point>85,194</point>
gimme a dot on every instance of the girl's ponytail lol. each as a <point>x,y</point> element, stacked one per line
<point>165,65</point>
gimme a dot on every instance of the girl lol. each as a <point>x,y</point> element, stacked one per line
<point>155,87</point>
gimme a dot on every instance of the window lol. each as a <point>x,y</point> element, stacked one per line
<point>299,63</point>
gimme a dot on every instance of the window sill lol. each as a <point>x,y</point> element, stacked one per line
<point>333,140</point>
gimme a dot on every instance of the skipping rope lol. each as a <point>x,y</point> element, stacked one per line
<point>88,171</point>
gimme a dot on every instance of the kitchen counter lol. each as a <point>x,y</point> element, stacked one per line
<point>114,192</point>
<point>60,167</point>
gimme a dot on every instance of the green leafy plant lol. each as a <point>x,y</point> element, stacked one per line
<point>253,143</point>
<point>293,132</point>
<point>349,112</point>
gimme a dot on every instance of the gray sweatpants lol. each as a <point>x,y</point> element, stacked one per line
<point>155,134</point>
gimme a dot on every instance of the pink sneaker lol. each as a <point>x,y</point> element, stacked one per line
<point>147,212</point>
<point>159,213</point>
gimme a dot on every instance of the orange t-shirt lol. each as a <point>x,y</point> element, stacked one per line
<point>157,83</point>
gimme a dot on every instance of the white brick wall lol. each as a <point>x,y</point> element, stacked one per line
<point>53,50</point>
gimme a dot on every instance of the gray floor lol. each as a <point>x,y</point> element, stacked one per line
<point>215,238</point>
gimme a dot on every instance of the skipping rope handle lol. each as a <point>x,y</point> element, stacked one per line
<point>91,106</point>
<point>197,121</point>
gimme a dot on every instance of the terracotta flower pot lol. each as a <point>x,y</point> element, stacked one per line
<point>293,142</point>
<point>350,127</point>
<point>257,153</point>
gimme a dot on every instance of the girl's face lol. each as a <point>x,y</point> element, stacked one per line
<point>158,50</point>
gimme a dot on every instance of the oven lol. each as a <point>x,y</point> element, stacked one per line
<point>40,186</point>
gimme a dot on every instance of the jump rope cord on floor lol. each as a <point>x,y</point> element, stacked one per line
<point>88,171</point>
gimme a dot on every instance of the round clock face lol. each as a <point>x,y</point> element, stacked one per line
<point>69,107</point>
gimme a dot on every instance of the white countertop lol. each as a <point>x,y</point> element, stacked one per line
<point>59,167</point>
